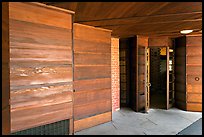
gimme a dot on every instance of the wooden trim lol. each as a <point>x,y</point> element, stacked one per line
<point>92,27</point>
<point>160,15</point>
<point>51,7</point>
<point>92,121</point>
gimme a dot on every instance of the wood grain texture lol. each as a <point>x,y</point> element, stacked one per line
<point>87,103</point>
<point>29,117</point>
<point>135,18</point>
<point>142,44</point>
<point>197,107</point>
<point>159,41</point>
<point>101,83</point>
<point>92,74</point>
<point>189,72</point>
<point>5,70</point>
<point>194,72</point>
<point>27,12</point>
<point>41,65</point>
<point>194,98</point>
<point>92,121</point>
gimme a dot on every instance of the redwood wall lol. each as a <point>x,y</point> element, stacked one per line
<point>189,73</point>
<point>40,65</point>
<point>92,76</point>
<point>194,73</point>
<point>115,74</point>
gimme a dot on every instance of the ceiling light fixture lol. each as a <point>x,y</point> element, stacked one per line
<point>186,31</point>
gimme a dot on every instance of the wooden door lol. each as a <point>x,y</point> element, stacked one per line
<point>148,84</point>
<point>92,76</point>
<point>141,75</point>
<point>167,78</point>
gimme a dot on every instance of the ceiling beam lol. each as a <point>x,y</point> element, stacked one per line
<point>159,15</point>
<point>161,22</point>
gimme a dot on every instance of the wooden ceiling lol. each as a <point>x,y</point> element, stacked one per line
<point>138,18</point>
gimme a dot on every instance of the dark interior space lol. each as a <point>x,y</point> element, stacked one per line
<point>158,75</point>
<point>124,55</point>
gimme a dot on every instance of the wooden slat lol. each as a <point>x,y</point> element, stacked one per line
<point>92,72</point>
<point>82,85</point>
<point>43,96</point>
<point>5,70</point>
<point>192,79</point>
<point>194,60</point>
<point>194,70</point>
<point>40,65</point>
<point>91,46</point>
<point>194,98</point>
<point>91,109</point>
<point>158,41</point>
<point>32,76</point>
<point>83,32</point>
<point>35,116</point>
<point>92,121</point>
<point>86,97</point>
<point>194,107</point>
<point>193,88</point>
<point>193,51</point>
<point>27,12</point>
<point>91,59</point>
<point>193,40</point>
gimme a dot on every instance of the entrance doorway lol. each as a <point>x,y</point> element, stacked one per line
<point>160,72</point>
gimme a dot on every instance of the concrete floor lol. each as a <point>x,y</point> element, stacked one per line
<point>155,122</point>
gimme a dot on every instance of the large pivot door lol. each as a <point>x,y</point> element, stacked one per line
<point>141,74</point>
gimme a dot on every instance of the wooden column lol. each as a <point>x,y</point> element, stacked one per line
<point>5,70</point>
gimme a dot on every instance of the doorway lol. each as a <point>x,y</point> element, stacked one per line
<point>158,77</point>
<point>124,59</point>
<point>161,77</point>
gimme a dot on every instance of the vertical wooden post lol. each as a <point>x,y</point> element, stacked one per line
<point>5,70</point>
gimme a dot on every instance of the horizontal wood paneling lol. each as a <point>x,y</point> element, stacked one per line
<point>28,12</point>
<point>91,96</point>
<point>191,79</point>
<point>193,41</point>
<point>40,75</point>
<point>41,65</point>
<point>193,51</point>
<point>43,96</point>
<point>92,59</point>
<point>91,46</point>
<point>84,32</point>
<point>91,109</point>
<point>92,74</point>
<point>92,121</point>
<point>194,70</point>
<point>160,41</point>
<point>96,84</point>
<point>194,98</point>
<point>194,107</point>
<point>88,103</point>
<point>193,88</point>
<point>35,116</point>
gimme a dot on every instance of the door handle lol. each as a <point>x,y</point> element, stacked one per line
<point>148,84</point>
